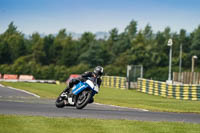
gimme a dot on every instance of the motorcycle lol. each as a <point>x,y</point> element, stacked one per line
<point>80,95</point>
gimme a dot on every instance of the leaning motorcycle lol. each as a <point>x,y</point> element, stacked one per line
<point>80,95</point>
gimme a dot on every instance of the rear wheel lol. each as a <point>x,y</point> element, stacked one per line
<point>60,100</point>
<point>83,99</point>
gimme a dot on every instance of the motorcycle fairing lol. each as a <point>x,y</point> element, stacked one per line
<point>79,87</point>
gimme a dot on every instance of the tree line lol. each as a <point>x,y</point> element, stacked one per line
<point>58,56</point>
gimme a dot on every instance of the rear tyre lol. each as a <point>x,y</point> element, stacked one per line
<point>83,99</point>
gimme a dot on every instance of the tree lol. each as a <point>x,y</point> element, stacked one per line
<point>148,33</point>
<point>131,30</point>
<point>86,39</point>
<point>195,47</point>
<point>93,56</point>
<point>69,53</point>
<point>185,41</point>
<point>57,47</point>
<point>58,56</point>
<point>112,42</point>
<point>38,53</point>
<point>48,43</point>
<point>139,50</point>
<point>12,29</point>
<point>5,53</point>
<point>14,40</point>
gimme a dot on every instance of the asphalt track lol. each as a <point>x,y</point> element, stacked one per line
<point>21,103</point>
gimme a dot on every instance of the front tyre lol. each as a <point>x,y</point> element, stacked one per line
<point>83,99</point>
<point>60,101</point>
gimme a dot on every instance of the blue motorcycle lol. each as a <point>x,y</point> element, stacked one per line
<point>80,95</point>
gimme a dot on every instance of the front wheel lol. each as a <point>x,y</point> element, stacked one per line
<point>83,99</point>
<point>60,100</point>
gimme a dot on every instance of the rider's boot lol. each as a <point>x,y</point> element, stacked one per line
<point>91,100</point>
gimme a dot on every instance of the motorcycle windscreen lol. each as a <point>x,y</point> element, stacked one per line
<point>78,88</point>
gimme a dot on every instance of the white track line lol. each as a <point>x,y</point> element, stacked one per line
<point>21,91</point>
<point>2,85</point>
<point>121,107</point>
<point>24,91</point>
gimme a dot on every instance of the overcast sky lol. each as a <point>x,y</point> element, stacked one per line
<point>49,16</point>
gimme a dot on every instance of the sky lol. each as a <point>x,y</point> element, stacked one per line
<point>49,16</point>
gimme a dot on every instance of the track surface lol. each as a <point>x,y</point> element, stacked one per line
<point>16,102</point>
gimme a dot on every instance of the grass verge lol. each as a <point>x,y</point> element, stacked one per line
<point>37,124</point>
<point>42,89</point>
<point>126,98</point>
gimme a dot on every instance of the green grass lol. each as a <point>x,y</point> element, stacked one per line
<point>126,98</point>
<point>41,89</point>
<point>135,99</point>
<point>37,124</point>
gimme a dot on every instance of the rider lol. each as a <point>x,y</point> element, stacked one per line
<point>98,72</point>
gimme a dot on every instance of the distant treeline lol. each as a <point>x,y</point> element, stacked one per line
<point>58,56</point>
